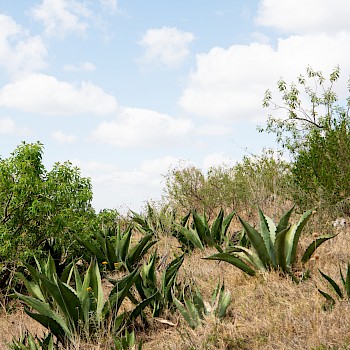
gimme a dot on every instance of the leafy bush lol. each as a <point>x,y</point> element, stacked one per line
<point>260,180</point>
<point>37,205</point>
<point>317,135</point>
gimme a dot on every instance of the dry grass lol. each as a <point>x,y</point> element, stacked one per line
<point>267,312</point>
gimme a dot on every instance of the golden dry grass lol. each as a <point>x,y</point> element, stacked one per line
<point>267,312</point>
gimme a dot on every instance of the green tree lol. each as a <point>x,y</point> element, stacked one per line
<point>39,206</point>
<point>316,133</point>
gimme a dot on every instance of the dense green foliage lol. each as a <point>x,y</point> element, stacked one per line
<point>37,205</point>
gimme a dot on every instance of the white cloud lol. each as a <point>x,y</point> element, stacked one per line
<point>19,52</point>
<point>305,16</point>
<point>62,137</point>
<point>83,67</point>
<point>138,127</point>
<point>229,84</point>
<point>60,17</point>
<point>132,187</point>
<point>44,94</point>
<point>216,159</point>
<point>111,5</point>
<point>7,126</point>
<point>167,47</point>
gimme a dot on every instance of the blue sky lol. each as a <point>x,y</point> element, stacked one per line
<point>127,89</point>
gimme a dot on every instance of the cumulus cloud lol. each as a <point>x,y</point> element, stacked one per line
<point>7,126</point>
<point>229,84</point>
<point>216,159</point>
<point>132,187</point>
<point>305,16</point>
<point>44,94</point>
<point>167,47</point>
<point>138,127</point>
<point>60,17</point>
<point>62,137</point>
<point>19,52</point>
<point>83,67</point>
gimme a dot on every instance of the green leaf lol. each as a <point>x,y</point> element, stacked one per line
<point>257,242</point>
<point>192,236</point>
<point>314,245</point>
<point>216,228</point>
<point>268,236</point>
<point>232,260</point>
<point>280,249</point>
<point>297,231</point>
<point>202,228</point>
<point>284,221</point>
<point>334,285</point>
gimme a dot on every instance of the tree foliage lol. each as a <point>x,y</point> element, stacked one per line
<point>316,132</point>
<point>37,205</point>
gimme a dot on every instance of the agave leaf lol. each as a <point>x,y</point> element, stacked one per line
<point>119,292</point>
<point>226,223</point>
<point>111,253</point>
<point>284,221</point>
<point>298,229</point>
<point>141,306</point>
<point>280,249</point>
<point>223,302</point>
<point>123,243</point>
<point>92,248</point>
<point>250,256</point>
<point>97,290</point>
<point>202,228</point>
<point>334,285</point>
<point>32,287</point>
<point>257,242</point>
<point>216,230</point>
<point>184,220</point>
<point>314,245</point>
<point>328,297</point>
<point>184,312</point>
<point>346,281</point>
<point>138,251</point>
<point>192,236</point>
<point>44,309</point>
<point>169,276</point>
<point>232,260</point>
<point>268,236</point>
<point>52,325</point>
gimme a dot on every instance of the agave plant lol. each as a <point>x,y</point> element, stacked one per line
<point>273,247</point>
<point>196,310</point>
<point>28,342</point>
<point>78,309</point>
<point>126,342</point>
<point>345,282</point>
<point>148,285</point>
<point>116,252</point>
<point>201,235</point>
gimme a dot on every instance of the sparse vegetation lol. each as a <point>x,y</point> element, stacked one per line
<point>74,279</point>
